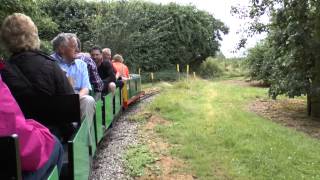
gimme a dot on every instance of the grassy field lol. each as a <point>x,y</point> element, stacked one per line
<point>214,132</point>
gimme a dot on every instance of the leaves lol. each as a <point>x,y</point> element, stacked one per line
<point>290,54</point>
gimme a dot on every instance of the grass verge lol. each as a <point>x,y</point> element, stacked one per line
<point>137,158</point>
<point>221,139</point>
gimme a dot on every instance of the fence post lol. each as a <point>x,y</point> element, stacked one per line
<point>152,78</point>
<point>178,71</point>
<point>187,72</point>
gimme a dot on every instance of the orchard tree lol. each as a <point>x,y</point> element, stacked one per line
<point>294,36</point>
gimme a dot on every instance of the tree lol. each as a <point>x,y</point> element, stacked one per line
<point>294,35</point>
<point>46,27</point>
<point>158,36</point>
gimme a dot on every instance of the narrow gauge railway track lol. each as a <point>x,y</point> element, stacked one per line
<point>108,162</point>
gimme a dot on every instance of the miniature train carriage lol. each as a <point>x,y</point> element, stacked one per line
<point>63,111</point>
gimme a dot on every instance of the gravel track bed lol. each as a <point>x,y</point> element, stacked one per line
<point>108,162</point>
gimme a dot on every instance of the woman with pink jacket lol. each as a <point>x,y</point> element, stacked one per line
<point>40,151</point>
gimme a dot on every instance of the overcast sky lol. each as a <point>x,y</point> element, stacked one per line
<point>221,10</point>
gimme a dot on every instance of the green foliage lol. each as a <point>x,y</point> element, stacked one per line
<point>219,66</point>
<point>72,16</point>
<point>260,63</point>
<point>210,68</point>
<point>153,36</point>
<point>137,158</point>
<point>46,46</point>
<point>292,46</point>
<point>164,75</point>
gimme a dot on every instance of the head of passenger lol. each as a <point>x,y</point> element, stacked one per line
<point>65,45</point>
<point>118,58</point>
<point>19,33</point>
<point>96,55</point>
<point>106,54</point>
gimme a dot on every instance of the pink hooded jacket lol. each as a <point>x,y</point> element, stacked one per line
<point>35,141</point>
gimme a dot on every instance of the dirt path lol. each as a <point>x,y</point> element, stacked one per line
<point>168,167</point>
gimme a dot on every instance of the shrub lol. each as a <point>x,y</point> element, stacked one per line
<point>210,68</point>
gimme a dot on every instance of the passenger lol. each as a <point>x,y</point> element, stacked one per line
<point>39,150</point>
<point>94,77</point>
<point>29,72</point>
<point>106,54</point>
<point>105,70</point>
<point>122,69</point>
<point>65,46</point>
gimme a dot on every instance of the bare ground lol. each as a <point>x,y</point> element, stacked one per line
<point>169,168</point>
<point>291,113</point>
<point>288,112</point>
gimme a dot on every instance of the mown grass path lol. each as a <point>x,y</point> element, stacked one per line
<point>214,132</point>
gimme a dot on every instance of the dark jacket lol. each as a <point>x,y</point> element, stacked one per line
<point>106,73</point>
<point>34,73</point>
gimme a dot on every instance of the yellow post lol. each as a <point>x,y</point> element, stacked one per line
<point>194,75</point>
<point>152,78</point>
<point>140,71</point>
<point>187,71</point>
<point>178,71</point>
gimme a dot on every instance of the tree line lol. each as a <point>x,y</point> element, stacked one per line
<point>148,35</point>
<point>289,58</point>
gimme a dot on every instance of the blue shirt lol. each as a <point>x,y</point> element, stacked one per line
<point>77,71</point>
<point>94,77</point>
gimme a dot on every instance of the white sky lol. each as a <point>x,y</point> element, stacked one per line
<point>221,10</point>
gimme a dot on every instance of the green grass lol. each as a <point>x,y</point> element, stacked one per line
<point>137,158</point>
<point>221,139</point>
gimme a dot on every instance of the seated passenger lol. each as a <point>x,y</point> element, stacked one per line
<point>122,69</point>
<point>106,54</point>
<point>29,72</point>
<point>39,150</point>
<point>105,70</point>
<point>94,77</point>
<point>65,46</point>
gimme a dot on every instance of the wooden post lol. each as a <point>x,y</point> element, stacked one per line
<point>187,72</point>
<point>178,71</point>
<point>152,78</point>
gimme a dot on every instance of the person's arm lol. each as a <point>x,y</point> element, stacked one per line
<point>84,91</point>
<point>85,82</point>
<point>61,81</point>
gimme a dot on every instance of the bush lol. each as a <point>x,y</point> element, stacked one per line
<point>210,68</point>
<point>165,75</point>
<point>46,46</point>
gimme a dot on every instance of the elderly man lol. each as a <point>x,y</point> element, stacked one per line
<point>106,54</point>
<point>105,70</point>
<point>94,77</point>
<point>65,46</point>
